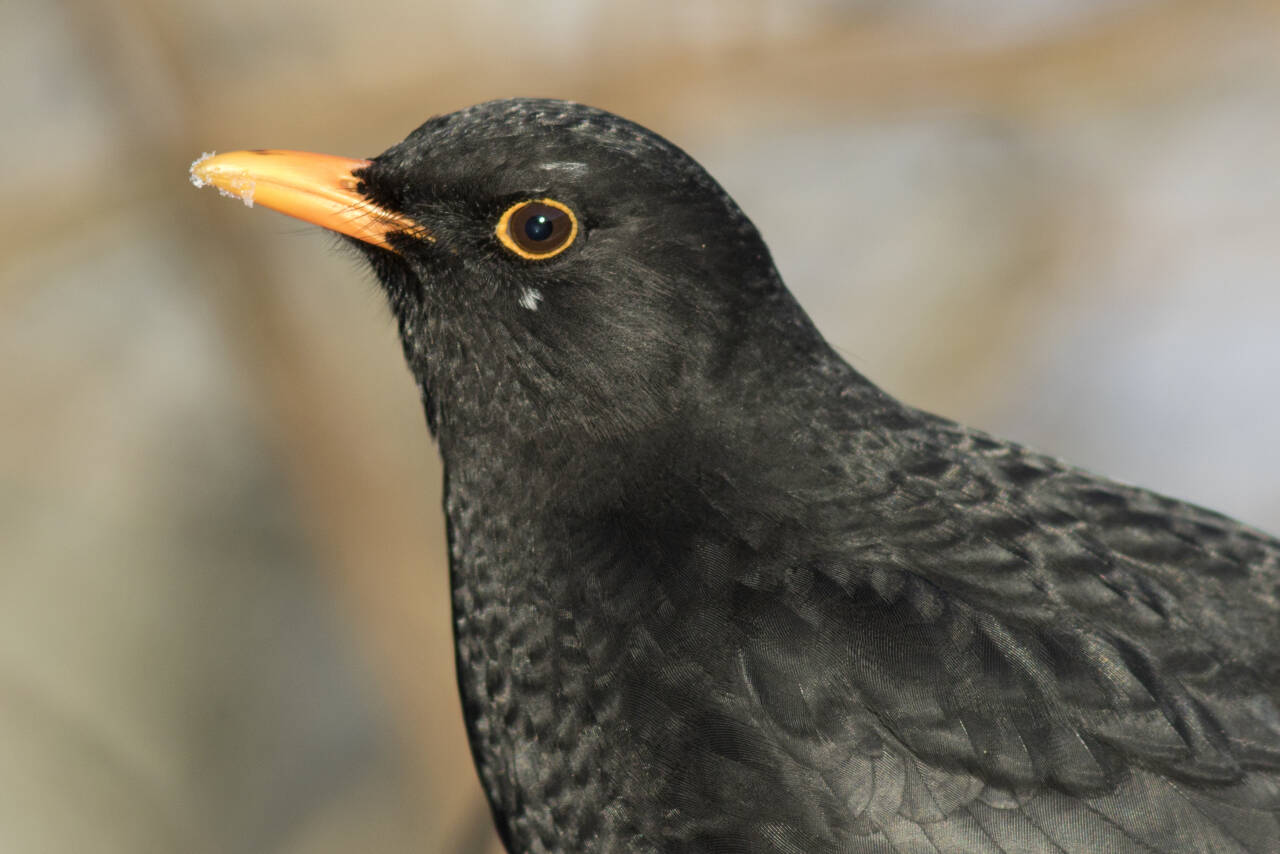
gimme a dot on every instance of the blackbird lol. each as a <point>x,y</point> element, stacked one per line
<point>714,591</point>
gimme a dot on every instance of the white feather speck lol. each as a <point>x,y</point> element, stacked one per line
<point>530,298</point>
<point>572,167</point>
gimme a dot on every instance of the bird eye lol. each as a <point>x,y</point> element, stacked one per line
<point>538,229</point>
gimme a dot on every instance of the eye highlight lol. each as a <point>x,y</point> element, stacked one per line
<point>538,229</point>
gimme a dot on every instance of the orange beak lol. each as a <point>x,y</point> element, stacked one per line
<point>315,188</point>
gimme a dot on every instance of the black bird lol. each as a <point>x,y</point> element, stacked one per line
<point>714,591</point>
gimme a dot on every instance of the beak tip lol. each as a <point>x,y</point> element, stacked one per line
<point>199,172</point>
<point>209,171</point>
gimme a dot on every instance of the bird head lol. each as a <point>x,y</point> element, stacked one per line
<point>552,267</point>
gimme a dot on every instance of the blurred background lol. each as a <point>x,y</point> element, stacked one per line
<point>223,614</point>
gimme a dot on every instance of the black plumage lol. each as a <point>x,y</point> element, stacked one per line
<point>716,592</point>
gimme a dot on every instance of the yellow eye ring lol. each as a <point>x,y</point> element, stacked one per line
<point>537,229</point>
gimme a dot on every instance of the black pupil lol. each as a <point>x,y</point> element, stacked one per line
<point>539,227</point>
